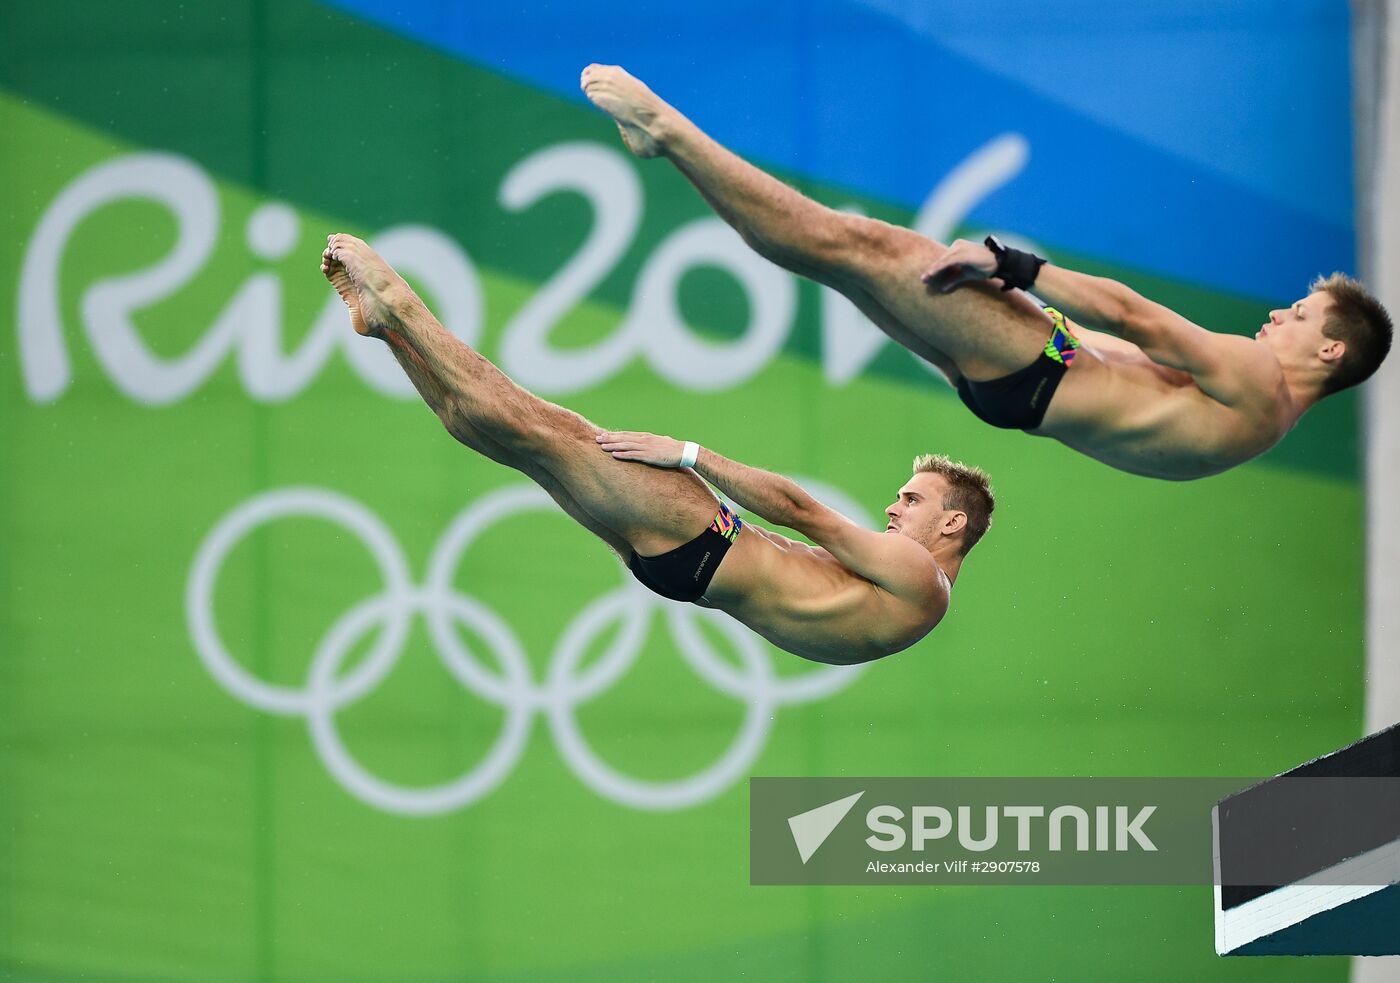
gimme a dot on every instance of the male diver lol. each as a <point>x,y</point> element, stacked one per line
<point>854,597</point>
<point>1157,395</point>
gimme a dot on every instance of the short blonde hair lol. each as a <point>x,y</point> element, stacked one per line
<point>969,492</point>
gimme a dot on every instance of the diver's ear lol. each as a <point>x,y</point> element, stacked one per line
<point>1332,352</point>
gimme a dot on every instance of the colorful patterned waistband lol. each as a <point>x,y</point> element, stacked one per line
<point>727,524</point>
<point>1062,343</point>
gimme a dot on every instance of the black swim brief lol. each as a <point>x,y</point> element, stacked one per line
<point>1018,401</point>
<point>684,573</point>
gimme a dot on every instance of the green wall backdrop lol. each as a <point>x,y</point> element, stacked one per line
<point>293,687</point>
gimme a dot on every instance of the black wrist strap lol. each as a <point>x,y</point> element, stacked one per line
<point>1016,268</point>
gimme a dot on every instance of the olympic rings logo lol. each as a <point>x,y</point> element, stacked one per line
<point>514,688</point>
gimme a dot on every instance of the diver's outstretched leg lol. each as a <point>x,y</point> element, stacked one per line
<point>651,510</point>
<point>981,331</point>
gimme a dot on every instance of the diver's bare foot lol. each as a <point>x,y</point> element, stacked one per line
<point>640,115</point>
<point>368,285</point>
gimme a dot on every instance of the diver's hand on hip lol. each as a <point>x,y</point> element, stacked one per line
<point>644,448</point>
<point>963,263</point>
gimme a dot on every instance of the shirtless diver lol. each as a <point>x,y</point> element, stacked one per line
<point>1150,393</point>
<point>854,597</point>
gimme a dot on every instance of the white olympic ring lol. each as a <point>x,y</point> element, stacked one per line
<point>514,689</point>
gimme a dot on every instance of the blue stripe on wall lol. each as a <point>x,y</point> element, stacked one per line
<point>1203,141</point>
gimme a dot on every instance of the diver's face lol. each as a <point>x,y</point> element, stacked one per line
<point>1296,331</point>
<point>917,511</point>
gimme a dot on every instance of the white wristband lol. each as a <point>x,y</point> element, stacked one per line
<point>688,454</point>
